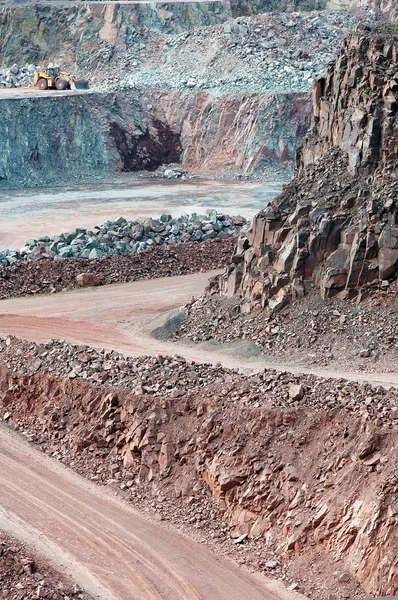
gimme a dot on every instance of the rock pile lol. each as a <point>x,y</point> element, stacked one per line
<point>17,76</point>
<point>128,237</point>
<point>335,224</point>
<point>22,578</point>
<point>338,334</point>
<point>290,464</point>
<point>47,275</point>
<point>274,52</point>
<point>174,377</point>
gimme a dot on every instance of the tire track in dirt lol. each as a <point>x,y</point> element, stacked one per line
<point>112,547</point>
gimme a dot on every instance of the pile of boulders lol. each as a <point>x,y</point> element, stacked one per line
<point>128,237</point>
<point>22,578</point>
<point>17,76</point>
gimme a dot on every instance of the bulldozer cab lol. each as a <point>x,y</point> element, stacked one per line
<point>53,71</point>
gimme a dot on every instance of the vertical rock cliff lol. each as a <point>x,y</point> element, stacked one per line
<point>93,134</point>
<point>335,225</point>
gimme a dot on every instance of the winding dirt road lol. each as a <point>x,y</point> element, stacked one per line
<point>122,316</point>
<point>109,549</point>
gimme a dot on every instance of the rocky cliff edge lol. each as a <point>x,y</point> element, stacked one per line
<point>335,225</point>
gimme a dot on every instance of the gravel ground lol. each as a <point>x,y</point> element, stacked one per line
<point>23,577</point>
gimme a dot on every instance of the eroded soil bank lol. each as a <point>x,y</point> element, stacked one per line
<point>296,471</point>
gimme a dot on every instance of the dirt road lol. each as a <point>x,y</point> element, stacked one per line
<point>107,547</point>
<point>31,92</point>
<point>122,316</point>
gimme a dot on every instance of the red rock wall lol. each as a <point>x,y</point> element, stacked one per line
<point>292,478</point>
<point>235,132</point>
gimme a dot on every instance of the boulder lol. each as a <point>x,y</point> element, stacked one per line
<point>87,279</point>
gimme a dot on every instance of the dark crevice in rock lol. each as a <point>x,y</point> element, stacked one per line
<point>157,146</point>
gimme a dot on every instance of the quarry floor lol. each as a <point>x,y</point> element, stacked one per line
<point>33,213</point>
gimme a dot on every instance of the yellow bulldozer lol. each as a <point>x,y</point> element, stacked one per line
<point>54,78</point>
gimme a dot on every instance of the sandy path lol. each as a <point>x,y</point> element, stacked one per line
<point>121,317</point>
<point>31,92</point>
<point>107,547</point>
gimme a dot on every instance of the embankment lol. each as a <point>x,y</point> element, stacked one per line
<point>301,469</point>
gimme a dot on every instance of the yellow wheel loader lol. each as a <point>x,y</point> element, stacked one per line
<point>54,78</point>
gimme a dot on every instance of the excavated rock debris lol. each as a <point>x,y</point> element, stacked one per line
<point>274,52</point>
<point>291,475</point>
<point>173,377</point>
<point>309,331</point>
<point>128,237</point>
<point>48,276</point>
<point>335,224</point>
<point>22,577</point>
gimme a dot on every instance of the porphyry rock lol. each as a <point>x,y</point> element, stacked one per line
<point>335,224</point>
<point>87,279</point>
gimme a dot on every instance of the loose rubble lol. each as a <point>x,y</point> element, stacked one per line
<point>23,577</point>
<point>273,52</point>
<point>309,331</point>
<point>25,277</point>
<point>173,377</point>
<point>17,76</point>
<point>128,237</point>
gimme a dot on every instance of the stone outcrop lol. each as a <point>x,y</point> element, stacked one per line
<point>335,225</point>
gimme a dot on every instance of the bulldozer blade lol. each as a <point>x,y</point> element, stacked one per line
<point>80,84</point>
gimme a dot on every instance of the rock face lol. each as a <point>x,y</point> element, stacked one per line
<point>234,132</point>
<point>355,107</point>
<point>103,133</point>
<point>85,33</point>
<point>335,225</point>
<point>78,136</point>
